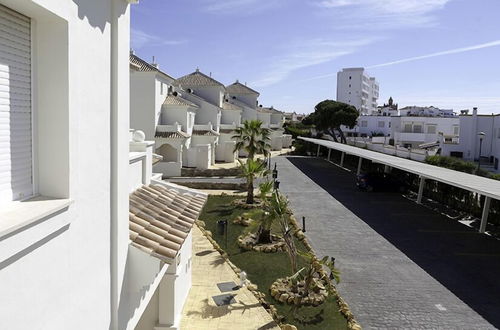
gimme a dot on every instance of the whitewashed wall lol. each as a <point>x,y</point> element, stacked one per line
<point>56,273</point>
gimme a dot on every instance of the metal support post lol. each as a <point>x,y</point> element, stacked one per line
<point>360,161</point>
<point>329,152</point>
<point>484,218</point>
<point>317,152</point>
<point>342,160</point>
<point>421,190</point>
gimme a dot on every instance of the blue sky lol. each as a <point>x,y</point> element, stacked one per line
<point>444,53</point>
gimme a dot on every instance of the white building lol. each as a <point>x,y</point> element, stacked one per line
<point>67,258</point>
<point>414,131</point>
<point>357,88</point>
<point>467,145</point>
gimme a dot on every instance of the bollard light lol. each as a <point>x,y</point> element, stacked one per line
<point>243,279</point>
<point>304,224</point>
<point>275,172</point>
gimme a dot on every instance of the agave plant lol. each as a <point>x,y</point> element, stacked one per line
<point>253,138</point>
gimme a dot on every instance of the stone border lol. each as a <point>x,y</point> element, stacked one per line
<point>248,242</point>
<point>344,309</point>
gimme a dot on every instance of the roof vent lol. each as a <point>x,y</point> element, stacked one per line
<point>175,93</point>
<point>190,91</point>
<point>197,69</point>
<point>132,51</point>
<point>154,63</point>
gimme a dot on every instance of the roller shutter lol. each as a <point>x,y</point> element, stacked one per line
<point>16,180</point>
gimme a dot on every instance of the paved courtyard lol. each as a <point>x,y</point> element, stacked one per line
<point>200,311</point>
<point>402,265</point>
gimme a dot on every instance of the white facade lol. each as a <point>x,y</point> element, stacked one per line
<point>467,146</point>
<point>412,131</point>
<point>59,267</point>
<point>357,88</point>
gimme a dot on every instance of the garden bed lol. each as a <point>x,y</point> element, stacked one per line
<point>263,269</point>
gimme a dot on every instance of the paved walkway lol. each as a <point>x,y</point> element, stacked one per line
<point>200,311</point>
<point>382,244</point>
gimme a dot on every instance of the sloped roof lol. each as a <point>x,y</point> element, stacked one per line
<point>198,79</point>
<point>140,65</point>
<point>230,106</point>
<point>239,89</point>
<point>172,99</point>
<point>205,133</point>
<point>171,135</point>
<point>269,110</point>
<point>160,219</point>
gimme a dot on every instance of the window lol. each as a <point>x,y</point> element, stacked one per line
<point>381,124</point>
<point>364,123</point>
<point>417,128</point>
<point>456,130</point>
<point>349,85</point>
<point>389,124</point>
<point>16,179</point>
<point>431,129</point>
<point>407,128</point>
<point>350,77</point>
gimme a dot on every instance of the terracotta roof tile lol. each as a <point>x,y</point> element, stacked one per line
<point>240,89</point>
<point>171,135</point>
<point>205,133</point>
<point>160,219</point>
<point>140,65</point>
<point>269,110</point>
<point>230,106</point>
<point>198,79</point>
<point>179,101</point>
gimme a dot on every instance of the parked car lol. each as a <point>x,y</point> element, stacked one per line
<point>378,181</point>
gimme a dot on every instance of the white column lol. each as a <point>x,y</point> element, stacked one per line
<point>486,212</point>
<point>421,190</point>
<point>360,161</point>
<point>329,152</point>
<point>342,160</point>
<point>317,152</point>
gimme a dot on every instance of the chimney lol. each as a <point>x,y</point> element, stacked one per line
<point>132,51</point>
<point>210,74</point>
<point>154,63</point>
<point>474,111</point>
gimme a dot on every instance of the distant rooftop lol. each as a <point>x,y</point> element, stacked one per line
<point>240,89</point>
<point>198,79</point>
<point>139,64</point>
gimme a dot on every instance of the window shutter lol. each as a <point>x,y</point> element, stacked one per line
<point>16,180</point>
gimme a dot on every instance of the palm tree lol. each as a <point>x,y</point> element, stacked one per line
<point>266,220</point>
<point>250,171</point>
<point>253,138</point>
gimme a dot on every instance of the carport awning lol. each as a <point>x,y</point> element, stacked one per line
<point>481,185</point>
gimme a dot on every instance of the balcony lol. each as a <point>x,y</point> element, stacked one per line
<point>413,137</point>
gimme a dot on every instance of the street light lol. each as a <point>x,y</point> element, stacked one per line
<point>481,137</point>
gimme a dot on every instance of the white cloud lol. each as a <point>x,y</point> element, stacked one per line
<point>139,39</point>
<point>446,52</point>
<point>306,54</point>
<point>238,6</point>
<point>382,14</point>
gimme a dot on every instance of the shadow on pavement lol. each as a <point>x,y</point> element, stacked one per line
<point>464,261</point>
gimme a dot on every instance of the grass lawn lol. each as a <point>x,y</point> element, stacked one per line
<point>264,268</point>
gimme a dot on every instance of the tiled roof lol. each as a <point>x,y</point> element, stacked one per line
<point>172,135</point>
<point>198,79</point>
<point>140,65</point>
<point>226,131</point>
<point>239,89</point>
<point>179,101</point>
<point>269,110</point>
<point>205,133</point>
<point>230,106</point>
<point>160,219</point>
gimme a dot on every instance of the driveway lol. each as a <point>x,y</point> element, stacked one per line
<point>402,265</point>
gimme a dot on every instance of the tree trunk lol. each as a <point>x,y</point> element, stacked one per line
<point>250,191</point>
<point>342,136</point>
<point>332,134</point>
<point>264,236</point>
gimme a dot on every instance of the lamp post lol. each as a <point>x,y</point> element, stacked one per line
<point>481,137</point>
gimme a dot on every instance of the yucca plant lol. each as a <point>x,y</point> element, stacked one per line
<point>253,138</point>
<point>251,170</point>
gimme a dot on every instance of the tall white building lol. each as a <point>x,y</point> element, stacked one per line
<point>357,88</point>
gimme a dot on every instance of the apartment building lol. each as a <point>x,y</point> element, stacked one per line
<point>357,88</point>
